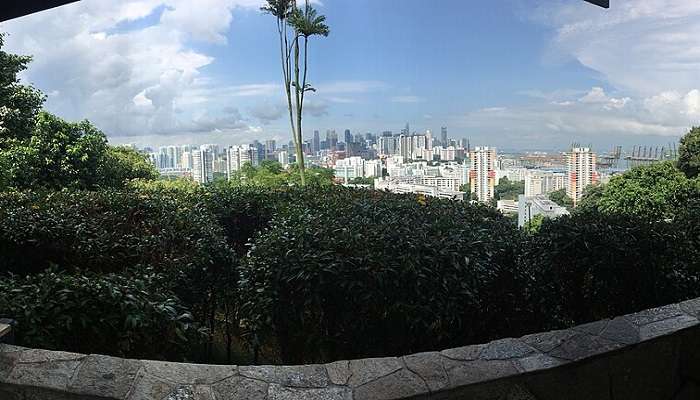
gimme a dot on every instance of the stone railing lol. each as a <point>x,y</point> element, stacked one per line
<point>653,354</point>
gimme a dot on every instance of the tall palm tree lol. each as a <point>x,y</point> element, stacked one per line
<point>305,23</point>
<point>282,10</point>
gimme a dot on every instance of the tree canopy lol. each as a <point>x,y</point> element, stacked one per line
<point>560,197</point>
<point>689,153</point>
<point>38,149</point>
<point>655,191</point>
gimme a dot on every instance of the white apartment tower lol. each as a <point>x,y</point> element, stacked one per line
<point>581,172</point>
<point>236,156</point>
<point>203,165</point>
<point>482,175</point>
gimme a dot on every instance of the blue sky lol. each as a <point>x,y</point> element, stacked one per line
<point>517,74</point>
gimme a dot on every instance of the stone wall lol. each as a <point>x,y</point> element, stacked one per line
<point>653,354</point>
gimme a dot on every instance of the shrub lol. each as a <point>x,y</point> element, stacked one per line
<point>157,226</point>
<point>125,316</point>
<point>351,273</point>
<point>591,266</point>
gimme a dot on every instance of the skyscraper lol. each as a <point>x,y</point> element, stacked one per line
<point>443,136</point>
<point>581,172</point>
<point>203,164</point>
<point>237,156</point>
<point>316,143</point>
<point>270,147</point>
<point>482,176</point>
<point>348,136</point>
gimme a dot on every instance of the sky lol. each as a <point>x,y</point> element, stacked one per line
<point>515,74</point>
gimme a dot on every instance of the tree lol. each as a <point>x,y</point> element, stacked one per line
<point>57,154</point>
<point>560,197</point>
<point>305,24</point>
<point>19,104</point>
<point>689,153</point>
<point>507,190</point>
<point>120,165</point>
<point>657,191</point>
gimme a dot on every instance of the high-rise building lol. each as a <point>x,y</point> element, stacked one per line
<point>443,136</point>
<point>387,145</point>
<point>348,136</point>
<point>331,140</point>
<point>270,147</point>
<point>203,165</point>
<point>237,156</point>
<point>483,173</point>
<point>316,143</point>
<point>283,158</point>
<point>581,172</point>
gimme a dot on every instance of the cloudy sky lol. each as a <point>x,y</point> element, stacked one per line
<point>518,74</point>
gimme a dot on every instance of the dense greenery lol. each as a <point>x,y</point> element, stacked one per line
<point>689,153</point>
<point>560,197</point>
<point>120,315</point>
<point>655,191</point>
<point>273,174</point>
<point>507,190</point>
<point>323,278</point>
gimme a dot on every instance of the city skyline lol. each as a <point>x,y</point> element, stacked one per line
<point>509,74</point>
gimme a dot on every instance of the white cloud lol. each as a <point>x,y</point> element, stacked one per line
<point>406,99</point>
<point>130,81</point>
<point>641,46</point>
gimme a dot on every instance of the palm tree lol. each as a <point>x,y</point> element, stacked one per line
<point>305,24</point>
<point>282,10</point>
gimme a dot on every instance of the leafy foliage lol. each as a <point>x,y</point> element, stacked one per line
<point>149,226</point>
<point>689,153</point>
<point>591,266</point>
<point>120,315</point>
<point>19,104</point>
<point>120,165</point>
<point>560,197</point>
<point>272,174</point>
<point>324,281</point>
<point>653,191</point>
<point>507,190</point>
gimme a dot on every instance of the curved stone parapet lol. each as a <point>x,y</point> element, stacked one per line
<point>653,354</point>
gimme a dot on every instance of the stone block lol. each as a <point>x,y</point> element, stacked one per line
<point>188,374</point>
<point>582,345</point>
<point>240,388</point>
<point>370,369</point>
<point>621,330</point>
<point>105,376</point>
<point>461,373</point>
<point>536,362</point>
<point>505,349</point>
<point>338,372</point>
<point>666,326</point>
<point>279,392</point>
<point>691,307</point>
<point>44,369</point>
<point>465,353</point>
<point>303,376</point>
<point>430,367</point>
<point>654,314</point>
<point>402,384</point>
<point>548,341</point>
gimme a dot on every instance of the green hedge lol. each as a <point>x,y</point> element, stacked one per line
<point>591,266</point>
<point>165,228</point>
<point>350,273</point>
<point>126,316</point>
